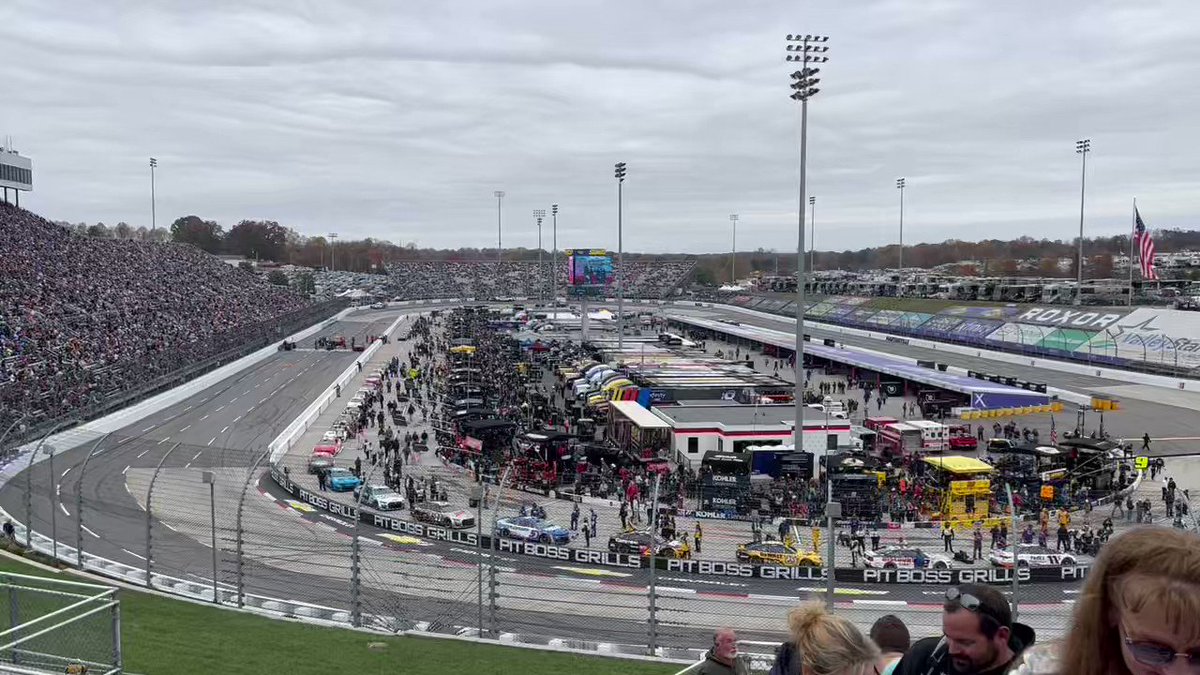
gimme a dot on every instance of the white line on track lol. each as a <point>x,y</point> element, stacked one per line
<point>149,428</point>
<point>160,443</point>
<point>64,509</point>
<point>878,602</point>
<point>237,418</point>
<point>212,440</point>
<point>196,455</point>
<point>204,418</point>
<point>234,399</point>
<point>188,465</point>
<point>251,408</point>
<point>65,472</point>
<point>219,409</point>
<point>125,470</point>
<point>133,554</point>
<point>87,529</point>
<point>188,408</point>
<point>262,400</point>
<point>245,392</point>
<point>185,428</point>
<point>225,429</point>
<point>168,526</point>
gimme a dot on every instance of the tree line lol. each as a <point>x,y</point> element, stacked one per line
<point>267,240</point>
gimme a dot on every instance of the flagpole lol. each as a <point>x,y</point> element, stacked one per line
<point>1132,231</point>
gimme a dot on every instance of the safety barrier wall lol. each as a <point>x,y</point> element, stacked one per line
<point>989,352</point>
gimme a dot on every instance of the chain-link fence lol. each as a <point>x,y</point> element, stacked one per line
<point>220,524</point>
<point>52,625</point>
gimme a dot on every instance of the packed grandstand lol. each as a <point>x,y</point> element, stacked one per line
<point>85,320</point>
<point>473,279</point>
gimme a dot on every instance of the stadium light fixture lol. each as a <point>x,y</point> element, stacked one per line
<point>619,173</point>
<point>540,215</point>
<point>812,231</point>
<point>499,195</point>
<point>900,258</point>
<point>1082,148</point>
<point>733,218</point>
<point>153,215</point>
<point>332,238</point>
<point>808,51</point>
<point>554,243</point>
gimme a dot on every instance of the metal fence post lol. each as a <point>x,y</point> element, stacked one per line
<point>29,482</point>
<point>494,547</point>
<point>53,508</point>
<point>1012,546</point>
<point>356,551</point>
<point>493,596</point>
<point>118,658</point>
<point>241,579</point>
<point>653,644</point>
<point>150,513</point>
<point>79,502</point>
<point>14,611</point>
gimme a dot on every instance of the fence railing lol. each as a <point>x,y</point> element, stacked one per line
<point>290,551</point>
<point>55,625</point>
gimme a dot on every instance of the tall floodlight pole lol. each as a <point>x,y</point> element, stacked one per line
<point>619,173</point>
<point>805,50</point>
<point>540,215</point>
<point>812,230</point>
<point>499,194</point>
<point>900,257</point>
<point>1082,148</point>
<point>733,218</point>
<point>332,238</point>
<point>554,243</point>
<point>153,215</point>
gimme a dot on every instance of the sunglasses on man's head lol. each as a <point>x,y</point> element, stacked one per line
<point>1158,655</point>
<point>971,604</point>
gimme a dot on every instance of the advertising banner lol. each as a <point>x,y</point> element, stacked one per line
<point>1164,336</point>
<point>712,568</point>
<point>1066,317</point>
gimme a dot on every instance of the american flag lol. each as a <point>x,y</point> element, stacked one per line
<point>1053,433</point>
<point>1145,246</point>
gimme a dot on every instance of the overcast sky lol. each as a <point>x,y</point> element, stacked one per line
<point>399,119</point>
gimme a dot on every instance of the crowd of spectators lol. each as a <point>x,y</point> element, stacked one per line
<point>479,279</point>
<point>331,284</point>
<point>1137,614</point>
<point>83,319</point>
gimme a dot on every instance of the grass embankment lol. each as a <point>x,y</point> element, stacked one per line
<point>161,635</point>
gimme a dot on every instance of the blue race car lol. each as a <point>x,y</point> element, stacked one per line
<point>532,529</point>
<point>341,480</point>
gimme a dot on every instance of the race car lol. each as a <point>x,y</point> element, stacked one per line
<point>341,480</point>
<point>639,542</point>
<point>327,449</point>
<point>444,514</point>
<point>319,463</point>
<point>907,557</point>
<point>532,529</point>
<point>772,552</point>
<point>1031,555</point>
<point>379,305</point>
<point>379,497</point>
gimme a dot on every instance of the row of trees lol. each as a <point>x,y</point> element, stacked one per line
<point>268,240</point>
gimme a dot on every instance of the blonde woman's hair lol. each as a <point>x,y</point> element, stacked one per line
<point>828,644</point>
<point>1147,567</point>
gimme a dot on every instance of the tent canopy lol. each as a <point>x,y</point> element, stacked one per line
<point>959,464</point>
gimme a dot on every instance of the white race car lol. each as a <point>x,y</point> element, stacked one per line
<point>444,514</point>
<point>1031,555</point>
<point>906,557</point>
<point>380,497</point>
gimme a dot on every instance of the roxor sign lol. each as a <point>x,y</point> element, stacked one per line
<point>1075,318</point>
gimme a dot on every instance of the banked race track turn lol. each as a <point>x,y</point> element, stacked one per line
<point>293,552</point>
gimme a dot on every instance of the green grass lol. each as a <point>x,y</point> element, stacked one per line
<point>160,635</point>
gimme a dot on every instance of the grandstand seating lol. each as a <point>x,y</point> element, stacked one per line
<point>84,319</point>
<point>478,279</point>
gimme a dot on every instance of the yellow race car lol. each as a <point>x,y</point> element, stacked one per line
<point>772,552</point>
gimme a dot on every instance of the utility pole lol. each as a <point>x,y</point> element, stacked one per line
<point>554,258</point>
<point>499,194</point>
<point>1082,148</point>
<point>540,215</point>
<point>153,215</point>
<point>733,218</point>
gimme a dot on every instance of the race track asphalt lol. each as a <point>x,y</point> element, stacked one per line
<point>296,554</point>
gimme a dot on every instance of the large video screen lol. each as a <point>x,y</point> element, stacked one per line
<point>589,268</point>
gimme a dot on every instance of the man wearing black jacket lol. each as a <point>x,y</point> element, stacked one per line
<point>979,636</point>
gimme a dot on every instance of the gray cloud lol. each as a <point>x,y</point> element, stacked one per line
<point>398,120</point>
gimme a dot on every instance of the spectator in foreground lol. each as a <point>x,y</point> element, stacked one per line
<point>1139,613</point>
<point>824,644</point>
<point>979,636</point>
<point>891,636</point>
<point>722,658</point>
